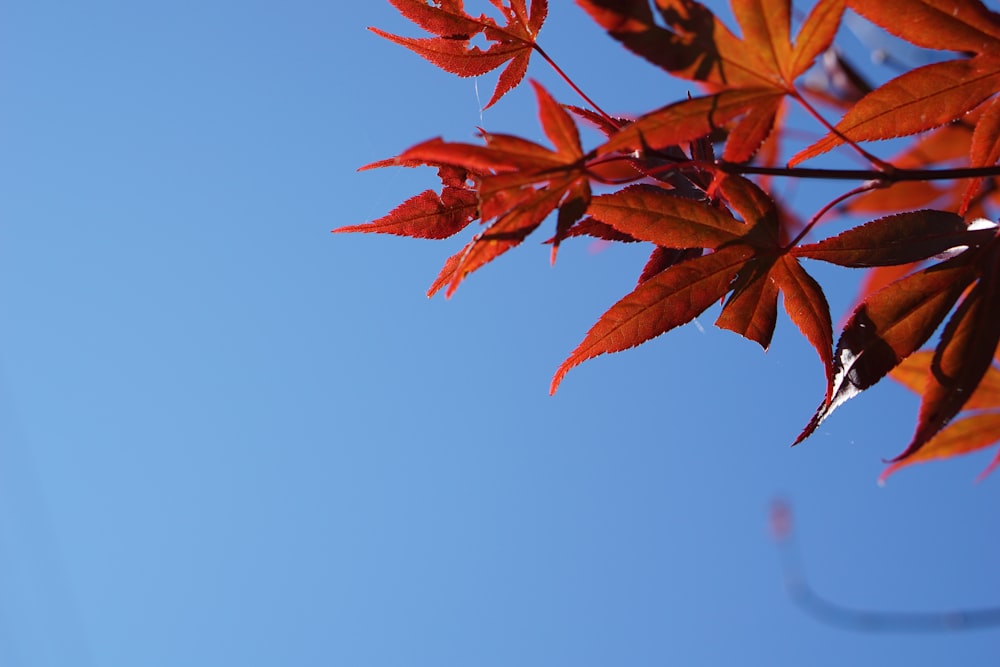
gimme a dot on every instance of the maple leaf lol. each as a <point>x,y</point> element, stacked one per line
<point>752,75</point>
<point>985,150</point>
<point>716,236</point>
<point>932,95</point>
<point>451,50</point>
<point>893,322</point>
<point>428,215</point>
<point>518,183</point>
<point>970,433</point>
<point>746,259</point>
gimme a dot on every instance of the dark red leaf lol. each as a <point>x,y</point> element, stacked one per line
<point>963,356</point>
<point>896,239</point>
<point>889,326</point>
<point>688,45</point>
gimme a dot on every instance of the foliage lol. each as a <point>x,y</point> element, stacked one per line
<point>694,179</point>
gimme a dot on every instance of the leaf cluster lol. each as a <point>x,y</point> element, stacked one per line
<point>694,179</point>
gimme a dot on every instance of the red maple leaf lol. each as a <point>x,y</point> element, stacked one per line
<point>451,49</point>
<point>516,184</point>
<point>895,321</point>
<point>746,259</point>
<point>977,429</point>
<point>932,95</point>
<point>750,77</point>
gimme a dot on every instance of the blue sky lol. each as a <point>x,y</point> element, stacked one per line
<point>228,437</point>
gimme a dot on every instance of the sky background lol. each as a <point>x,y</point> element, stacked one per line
<point>229,437</point>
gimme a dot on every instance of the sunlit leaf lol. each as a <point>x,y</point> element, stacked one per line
<point>665,301</point>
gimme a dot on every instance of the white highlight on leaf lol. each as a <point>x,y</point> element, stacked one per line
<point>974,226</point>
<point>845,383</point>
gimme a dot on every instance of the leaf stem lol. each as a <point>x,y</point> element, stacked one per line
<point>572,85</point>
<point>870,185</point>
<point>875,160</point>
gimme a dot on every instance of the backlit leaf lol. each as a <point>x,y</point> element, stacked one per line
<point>451,50</point>
<point>887,327</point>
<point>650,213</point>
<point>665,301</point>
<point>951,25</point>
<point>896,239</point>
<point>689,119</point>
<point>913,371</point>
<point>961,359</point>
<point>807,307</point>
<point>752,310</point>
<point>962,437</point>
<point>985,150</point>
<point>918,100</point>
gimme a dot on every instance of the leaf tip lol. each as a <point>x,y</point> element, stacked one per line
<point>557,379</point>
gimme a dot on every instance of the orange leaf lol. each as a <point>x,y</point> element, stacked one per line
<point>964,436</point>
<point>751,130</point>
<point>919,100</point>
<point>985,146</point>
<point>752,310</point>
<point>950,25</point>
<point>913,371</point>
<point>650,213</point>
<point>815,35</point>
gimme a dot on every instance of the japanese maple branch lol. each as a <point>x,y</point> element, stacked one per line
<point>896,176</point>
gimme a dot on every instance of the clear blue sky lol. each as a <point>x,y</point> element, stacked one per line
<point>228,437</point>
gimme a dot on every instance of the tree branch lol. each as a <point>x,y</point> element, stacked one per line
<point>897,176</point>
